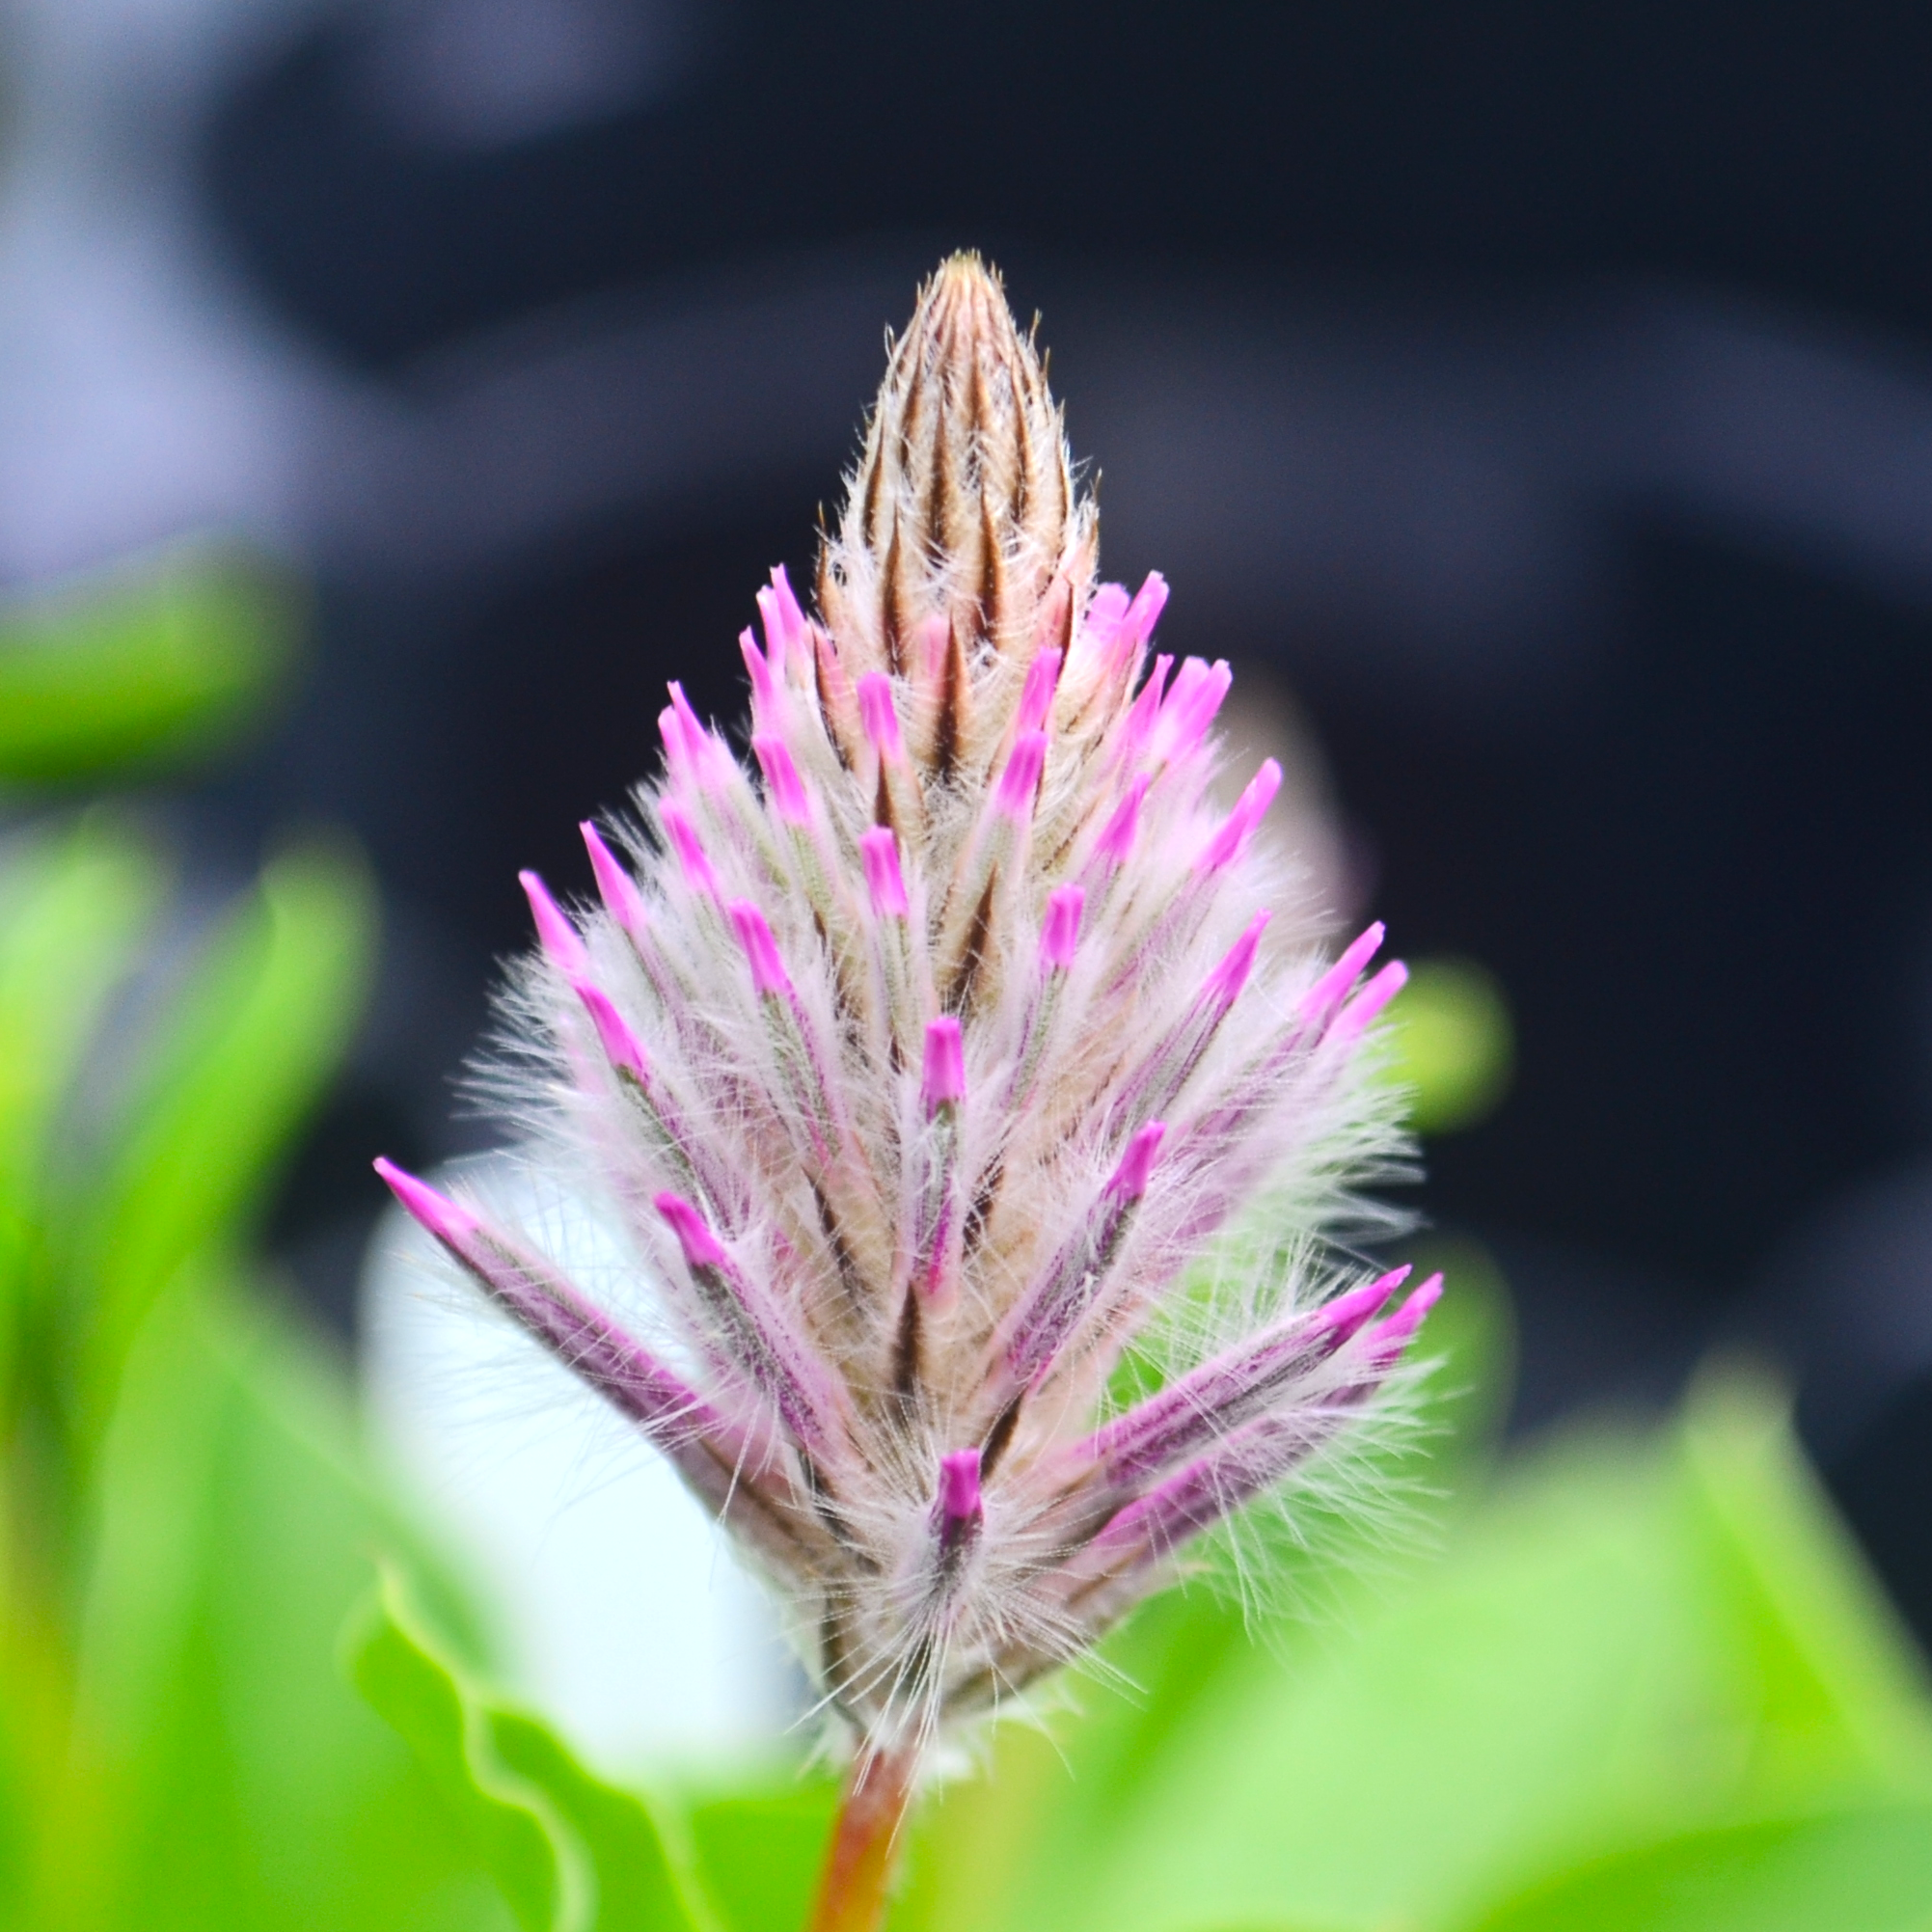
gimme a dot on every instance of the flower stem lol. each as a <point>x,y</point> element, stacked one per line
<point>858,1862</point>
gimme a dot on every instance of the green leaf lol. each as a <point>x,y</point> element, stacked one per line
<point>1867,1871</point>
<point>73,907</point>
<point>759,1852</point>
<point>569,1852</point>
<point>153,665</point>
<point>1835,1672</point>
<point>223,1774</point>
<point>248,1047</point>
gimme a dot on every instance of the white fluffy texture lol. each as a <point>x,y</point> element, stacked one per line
<point>890,1263</point>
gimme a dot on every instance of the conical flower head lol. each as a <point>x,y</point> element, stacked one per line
<point>940,1056</point>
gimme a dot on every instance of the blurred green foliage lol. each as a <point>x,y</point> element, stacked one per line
<point>1453,1044</point>
<point>1633,1677</point>
<point>184,1513</point>
<point>151,667</point>
<point>566,1849</point>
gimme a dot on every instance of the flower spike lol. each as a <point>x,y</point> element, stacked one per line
<point>933,1057</point>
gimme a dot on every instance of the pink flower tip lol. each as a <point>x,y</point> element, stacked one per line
<point>1062,932</point>
<point>436,1212</point>
<point>614,886</point>
<point>783,620</point>
<point>1020,778</point>
<point>880,851</point>
<point>1144,710</point>
<point>684,731</point>
<point>1366,1008</point>
<point>880,716</point>
<point>961,1500</point>
<point>620,1045</point>
<point>763,673</point>
<point>1239,824</point>
<point>690,853</point>
<point>1226,981</point>
<point>1190,706</point>
<point>701,1247</point>
<point>1130,1178</point>
<point>1350,1312</point>
<point>1390,1337</point>
<point>783,783</point>
<point>1101,626</point>
<point>1036,698</point>
<point>945,1081</point>
<point>1117,840</point>
<point>1332,987</point>
<point>1144,613</point>
<point>562,944</point>
<point>761,950</point>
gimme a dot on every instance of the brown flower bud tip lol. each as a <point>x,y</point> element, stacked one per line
<point>962,509</point>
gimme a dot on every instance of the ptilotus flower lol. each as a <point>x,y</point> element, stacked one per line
<point>938,1063</point>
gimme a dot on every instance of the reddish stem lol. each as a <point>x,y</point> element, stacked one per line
<point>858,1862</point>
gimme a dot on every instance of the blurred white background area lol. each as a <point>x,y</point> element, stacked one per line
<point>618,1610</point>
<point>142,392</point>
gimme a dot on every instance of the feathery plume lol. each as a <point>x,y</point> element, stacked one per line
<point>931,1068</point>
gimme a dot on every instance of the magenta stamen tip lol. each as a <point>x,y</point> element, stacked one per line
<point>434,1213</point>
<point>561,944</point>
<point>615,887</point>
<point>783,783</point>
<point>1020,779</point>
<point>1036,698</point>
<point>1188,712</point>
<point>708,757</point>
<point>690,850</point>
<point>702,1248</point>
<point>880,716</point>
<point>621,1047</point>
<point>776,636</point>
<point>1129,1180</point>
<point>1149,601</point>
<point>1329,990</point>
<point>1117,840</point>
<point>1390,1337</point>
<point>788,602</point>
<point>1249,809</point>
<point>1184,694</point>
<point>1101,625</point>
<point>1190,707</point>
<point>694,731</point>
<point>1366,1008</point>
<point>1145,709</point>
<point>1062,932</point>
<point>769,976</point>
<point>880,851</point>
<point>763,673</point>
<point>1226,981</point>
<point>959,1496</point>
<point>670,731</point>
<point>945,1081</point>
<point>1350,1311</point>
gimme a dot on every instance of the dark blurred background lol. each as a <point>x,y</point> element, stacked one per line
<point>1543,395</point>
